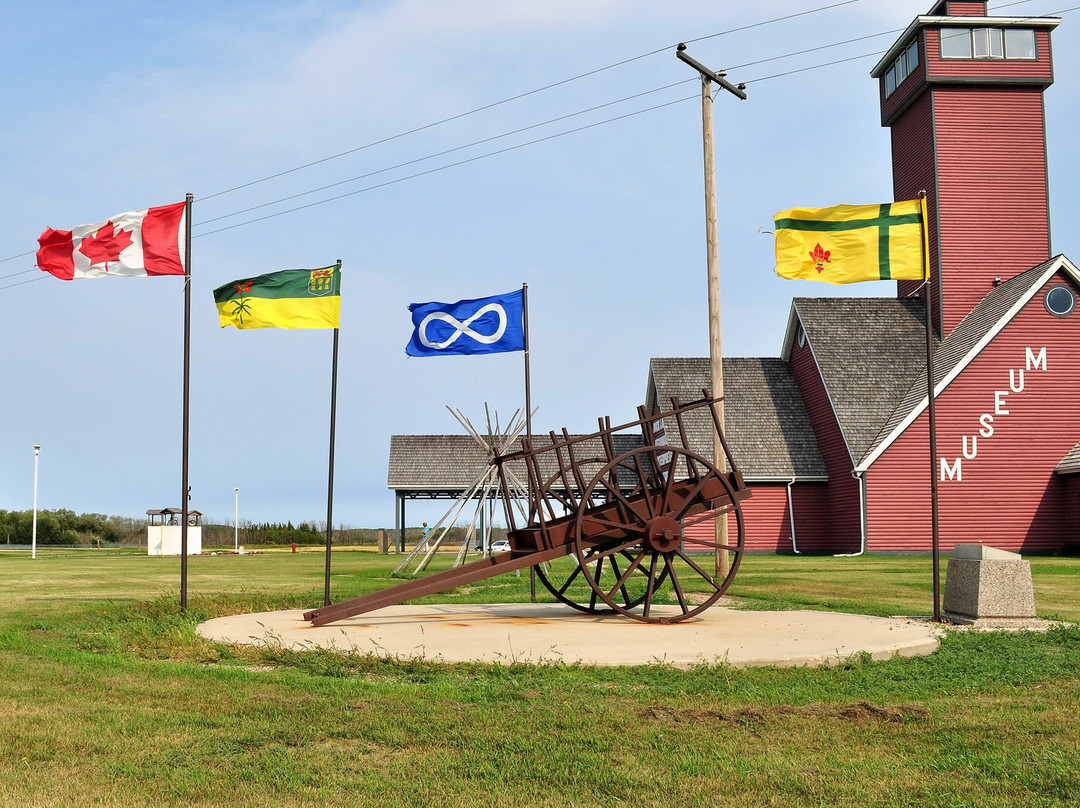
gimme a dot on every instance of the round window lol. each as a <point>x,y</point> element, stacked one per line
<point>1060,300</point>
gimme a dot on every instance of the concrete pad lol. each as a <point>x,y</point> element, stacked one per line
<point>538,633</point>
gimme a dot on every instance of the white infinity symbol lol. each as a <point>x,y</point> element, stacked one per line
<point>463,327</point>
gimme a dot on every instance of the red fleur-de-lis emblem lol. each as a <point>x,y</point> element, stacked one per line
<point>820,257</point>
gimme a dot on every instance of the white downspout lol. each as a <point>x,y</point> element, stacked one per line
<point>791,517</point>
<point>860,476</point>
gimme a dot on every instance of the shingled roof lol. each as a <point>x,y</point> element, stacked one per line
<point>434,464</point>
<point>766,425</point>
<point>963,344</point>
<point>1070,464</point>
<point>868,351</point>
<point>448,465</point>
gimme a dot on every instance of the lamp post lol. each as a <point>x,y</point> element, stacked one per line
<point>236,523</point>
<point>33,528</point>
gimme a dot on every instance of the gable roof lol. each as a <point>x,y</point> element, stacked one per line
<point>766,425</point>
<point>867,350</point>
<point>964,343</point>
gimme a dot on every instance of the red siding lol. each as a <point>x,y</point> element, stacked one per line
<point>845,520</point>
<point>766,518</point>
<point>993,204</point>
<point>914,83</point>
<point>1009,495</point>
<point>915,170</point>
<point>1071,484</point>
<point>969,9</point>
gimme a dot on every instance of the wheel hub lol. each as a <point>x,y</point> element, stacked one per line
<point>663,534</point>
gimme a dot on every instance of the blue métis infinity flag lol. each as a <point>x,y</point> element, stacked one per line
<point>487,325</point>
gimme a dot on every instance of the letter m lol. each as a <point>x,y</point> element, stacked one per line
<point>1033,361</point>
<point>954,473</point>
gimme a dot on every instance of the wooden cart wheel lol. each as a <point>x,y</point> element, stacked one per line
<point>633,512</point>
<point>565,580</point>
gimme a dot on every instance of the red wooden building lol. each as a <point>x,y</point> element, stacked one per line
<point>833,435</point>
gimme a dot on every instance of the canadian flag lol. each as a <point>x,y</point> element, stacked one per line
<point>140,242</point>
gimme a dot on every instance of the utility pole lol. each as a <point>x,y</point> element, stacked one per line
<point>713,250</point>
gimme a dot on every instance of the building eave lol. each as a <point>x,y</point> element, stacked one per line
<point>982,22</point>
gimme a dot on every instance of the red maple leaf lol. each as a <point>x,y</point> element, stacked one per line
<point>105,245</point>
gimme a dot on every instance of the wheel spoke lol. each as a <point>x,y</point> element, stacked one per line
<point>570,580</point>
<point>621,582</point>
<point>618,548</point>
<point>705,545</point>
<point>711,581</point>
<point>676,585</point>
<point>650,586</point>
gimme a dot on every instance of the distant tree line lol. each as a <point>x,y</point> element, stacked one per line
<point>65,528</point>
<point>252,534</point>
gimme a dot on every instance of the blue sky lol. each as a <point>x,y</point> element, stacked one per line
<point>114,106</point>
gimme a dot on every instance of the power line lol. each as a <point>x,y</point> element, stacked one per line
<point>20,272</point>
<point>496,152</point>
<point>517,97</point>
<point>13,257</point>
<point>23,283</point>
<point>451,165</point>
<point>766,22</point>
<point>814,50</point>
<point>814,67</point>
<point>556,119</point>
<point>445,152</point>
<point>536,125</point>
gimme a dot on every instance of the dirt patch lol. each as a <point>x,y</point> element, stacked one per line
<point>856,711</point>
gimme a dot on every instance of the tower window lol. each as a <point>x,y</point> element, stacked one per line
<point>1060,300</point>
<point>988,43</point>
<point>1019,43</point>
<point>901,68</point>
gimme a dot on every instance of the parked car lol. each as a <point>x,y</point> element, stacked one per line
<point>500,546</point>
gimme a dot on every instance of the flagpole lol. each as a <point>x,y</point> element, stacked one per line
<point>528,403</point>
<point>935,526</point>
<point>330,483</point>
<point>528,383</point>
<point>186,409</point>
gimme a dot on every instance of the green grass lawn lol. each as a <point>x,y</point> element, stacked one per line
<point>109,698</point>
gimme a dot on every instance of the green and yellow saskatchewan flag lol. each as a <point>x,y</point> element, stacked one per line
<point>850,243</point>
<point>292,298</point>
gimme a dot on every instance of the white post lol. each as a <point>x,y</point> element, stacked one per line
<point>236,523</point>
<point>33,529</point>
